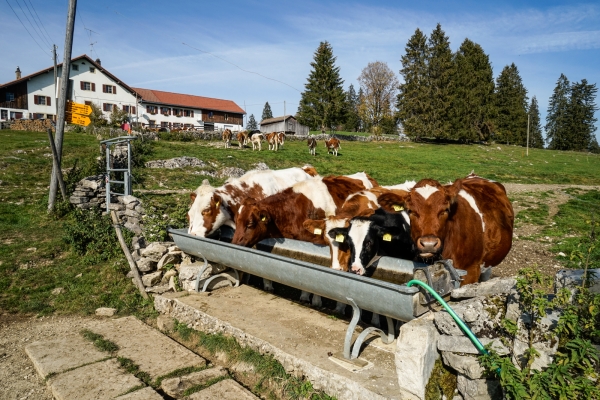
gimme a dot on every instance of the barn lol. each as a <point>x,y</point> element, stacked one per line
<point>287,124</point>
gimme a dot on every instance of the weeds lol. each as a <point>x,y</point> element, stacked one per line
<point>99,341</point>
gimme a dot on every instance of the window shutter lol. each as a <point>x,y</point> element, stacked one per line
<point>114,90</point>
<point>170,111</point>
<point>192,113</point>
<point>48,101</point>
<point>103,88</point>
<point>124,108</point>
<point>133,109</point>
<point>81,85</point>
<point>35,99</point>
<point>93,87</point>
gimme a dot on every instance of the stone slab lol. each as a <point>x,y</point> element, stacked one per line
<point>102,380</point>
<point>226,389</point>
<point>299,337</point>
<point>176,387</point>
<point>462,344</point>
<point>146,393</point>
<point>154,352</point>
<point>61,354</point>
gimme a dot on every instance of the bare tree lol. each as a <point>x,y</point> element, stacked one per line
<point>379,85</point>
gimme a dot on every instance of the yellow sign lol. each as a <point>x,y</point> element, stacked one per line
<point>77,119</point>
<point>78,108</point>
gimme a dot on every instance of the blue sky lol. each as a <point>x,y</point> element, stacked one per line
<point>253,52</point>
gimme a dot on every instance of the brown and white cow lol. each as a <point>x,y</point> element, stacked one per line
<point>312,145</point>
<point>227,138</point>
<point>213,207</point>
<point>273,140</point>
<point>256,140</point>
<point>280,138</point>
<point>242,138</point>
<point>470,221</point>
<point>333,145</point>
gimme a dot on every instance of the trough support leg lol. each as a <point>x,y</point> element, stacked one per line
<point>235,282</point>
<point>351,351</point>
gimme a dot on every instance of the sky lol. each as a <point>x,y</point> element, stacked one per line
<point>253,52</point>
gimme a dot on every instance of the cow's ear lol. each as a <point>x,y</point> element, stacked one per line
<point>393,202</point>
<point>386,234</point>
<point>338,234</point>
<point>193,196</point>
<point>452,191</point>
<point>263,216</point>
<point>216,200</point>
<point>314,226</point>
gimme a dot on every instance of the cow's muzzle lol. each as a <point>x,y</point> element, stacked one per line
<point>429,246</point>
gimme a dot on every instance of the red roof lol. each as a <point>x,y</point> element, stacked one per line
<point>188,100</point>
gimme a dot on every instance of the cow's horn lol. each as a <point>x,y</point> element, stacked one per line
<point>205,182</point>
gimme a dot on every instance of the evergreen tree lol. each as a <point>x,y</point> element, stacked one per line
<point>352,118</point>
<point>581,115</point>
<point>472,109</point>
<point>252,124</point>
<point>511,106</point>
<point>361,123</point>
<point>267,113</point>
<point>439,83</point>
<point>535,127</point>
<point>322,103</point>
<point>412,98</point>
<point>557,119</point>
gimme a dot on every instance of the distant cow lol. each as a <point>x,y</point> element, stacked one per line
<point>227,138</point>
<point>333,145</point>
<point>256,140</point>
<point>280,138</point>
<point>470,221</point>
<point>312,146</point>
<point>242,138</point>
<point>273,140</point>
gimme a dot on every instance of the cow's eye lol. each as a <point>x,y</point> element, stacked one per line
<point>444,214</point>
<point>206,212</point>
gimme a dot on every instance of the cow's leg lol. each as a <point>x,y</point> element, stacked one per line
<point>268,285</point>
<point>340,308</point>
<point>305,297</point>
<point>316,301</point>
<point>375,320</point>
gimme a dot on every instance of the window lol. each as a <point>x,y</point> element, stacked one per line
<point>75,67</point>
<point>164,124</point>
<point>87,86</point>
<point>188,113</point>
<point>225,116</point>
<point>4,114</point>
<point>38,116</point>
<point>129,109</point>
<point>92,70</point>
<point>108,107</point>
<point>165,110</point>
<point>42,100</point>
<point>152,109</point>
<point>210,114</point>
<point>176,125</point>
<point>88,103</point>
<point>152,123</point>
<point>10,96</point>
<point>109,89</point>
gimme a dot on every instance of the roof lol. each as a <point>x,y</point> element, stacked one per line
<point>84,57</point>
<point>188,100</point>
<point>276,119</point>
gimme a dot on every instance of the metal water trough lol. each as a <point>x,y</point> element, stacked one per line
<point>392,300</point>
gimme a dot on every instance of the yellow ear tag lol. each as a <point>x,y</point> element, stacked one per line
<point>217,203</point>
<point>397,207</point>
<point>387,237</point>
<point>317,231</point>
<point>339,238</point>
<point>263,219</point>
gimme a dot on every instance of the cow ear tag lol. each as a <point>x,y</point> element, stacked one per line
<point>397,207</point>
<point>387,237</point>
<point>217,203</point>
<point>317,231</point>
<point>263,219</point>
<point>339,238</point>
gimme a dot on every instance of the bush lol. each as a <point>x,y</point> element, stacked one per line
<point>160,216</point>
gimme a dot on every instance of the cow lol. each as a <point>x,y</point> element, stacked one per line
<point>242,138</point>
<point>273,140</point>
<point>312,146</point>
<point>469,221</point>
<point>256,140</point>
<point>213,207</point>
<point>333,145</point>
<point>227,138</point>
<point>281,138</point>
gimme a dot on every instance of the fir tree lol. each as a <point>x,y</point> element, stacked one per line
<point>511,106</point>
<point>322,103</point>
<point>581,115</point>
<point>267,113</point>
<point>352,118</point>
<point>412,98</point>
<point>439,85</point>
<point>472,109</point>
<point>252,124</point>
<point>535,127</point>
<point>557,119</point>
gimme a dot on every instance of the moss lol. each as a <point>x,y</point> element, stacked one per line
<point>442,383</point>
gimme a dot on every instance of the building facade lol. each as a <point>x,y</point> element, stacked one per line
<point>287,124</point>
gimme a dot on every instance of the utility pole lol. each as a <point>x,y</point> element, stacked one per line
<point>55,78</point>
<point>527,135</point>
<point>62,102</point>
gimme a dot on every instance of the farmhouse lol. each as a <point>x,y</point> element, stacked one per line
<point>287,124</point>
<point>34,97</point>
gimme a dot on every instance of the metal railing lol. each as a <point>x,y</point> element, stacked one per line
<point>126,182</point>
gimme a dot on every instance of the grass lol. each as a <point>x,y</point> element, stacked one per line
<point>99,341</point>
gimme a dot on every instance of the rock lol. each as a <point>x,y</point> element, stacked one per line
<point>165,323</point>
<point>232,172</point>
<point>106,311</point>
<point>154,251</point>
<point>172,284</point>
<point>135,228</point>
<point>170,273</point>
<point>139,209</point>
<point>169,258</point>
<point>173,249</point>
<point>481,315</point>
<point>416,354</point>
<point>132,214</point>
<point>545,347</point>
<point>462,344</point>
<point>146,265</point>
<point>160,289</point>
<point>178,162</point>
<point>128,199</point>
<point>152,279</point>
<point>136,255</point>
<point>572,278</point>
<point>131,206</point>
<point>175,387</point>
<point>78,200</point>
<point>466,365</point>
<point>479,389</point>
<point>488,288</point>
<point>58,291</point>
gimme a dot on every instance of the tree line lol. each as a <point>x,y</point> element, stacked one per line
<point>446,95</point>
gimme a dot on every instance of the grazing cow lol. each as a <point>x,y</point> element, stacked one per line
<point>242,138</point>
<point>281,138</point>
<point>470,221</point>
<point>214,207</point>
<point>312,146</point>
<point>227,138</point>
<point>333,145</point>
<point>256,140</point>
<point>273,140</point>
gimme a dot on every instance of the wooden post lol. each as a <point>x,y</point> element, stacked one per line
<point>56,166</point>
<point>136,274</point>
<point>527,135</point>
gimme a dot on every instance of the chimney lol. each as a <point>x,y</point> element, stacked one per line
<point>18,73</point>
<point>98,61</point>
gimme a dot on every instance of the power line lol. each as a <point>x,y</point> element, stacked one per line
<point>39,19</point>
<point>13,10</point>
<point>33,27</point>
